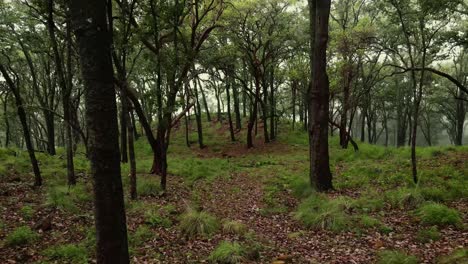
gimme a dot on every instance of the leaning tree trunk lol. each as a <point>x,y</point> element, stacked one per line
<point>24,124</point>
<point>94,43</point>
<point>320,174</point>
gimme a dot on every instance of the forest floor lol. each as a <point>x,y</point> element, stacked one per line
<point>248,206</point>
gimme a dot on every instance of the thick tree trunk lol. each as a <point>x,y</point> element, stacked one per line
<point>320,174</point>
<point>94,43</point>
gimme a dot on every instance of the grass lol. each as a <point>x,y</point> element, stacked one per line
<point>155,219</point>
<point>396,257</point>
<point>404,198</point>
<point>438,214</point>
<point>67,198</point>
<point>27,212</point>
<point>194,223</point>
<point>428,235</point>
<point>319,212</point>
<point>227,253</point>
<point>69,253</point>
<point>148,186</point>
<point>21,236</point>
<point>234,227</point>
<point>459,256</point>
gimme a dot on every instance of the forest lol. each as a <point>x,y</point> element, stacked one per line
<point>234,131</point>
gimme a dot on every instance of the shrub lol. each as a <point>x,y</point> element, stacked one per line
<point>227,253</point>
<point>193,223</point>
<point>428,235</point>
<point>319,212</point>
<point>70,253</point>
<point>27,212</point>
<point>396,257</point>
<point>234,227</point>
<point>438,214</point>
<point>21,236</point>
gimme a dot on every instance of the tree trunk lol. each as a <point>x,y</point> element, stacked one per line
<point>318,95</point>
<point>198,114</point>
<point>228,98</point>
<point>94,42</point>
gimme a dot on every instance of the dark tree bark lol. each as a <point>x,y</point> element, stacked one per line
<point>198,114</point>
<point>24,124</point>
<point>205,103</point>
<point>66,91</point>
<point>229,82</point>
<point>293,102</point>
<point>94,42</point>
<point>318,95</point>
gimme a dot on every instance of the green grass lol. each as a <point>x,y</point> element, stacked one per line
<point>148,186</point>
<point>155,219</point>
<point>227,253</point>
<point>21,236</point>
<point>438,214</point>
<point>68,198</point>
<point>194,223</point>
<point>234,227</point>
<point>428,235</point>
<point>396,257</point>
<point>404,198</point>
<point>27,212</point>
<point>459,256</point>
<point>69,253</point>
<point>319,212</point>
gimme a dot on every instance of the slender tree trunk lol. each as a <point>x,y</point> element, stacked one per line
<point>205,103</point>
<point>94,42</point>
<point>272,104</point>
<point>318,95</point>
<point>7,123</point>
<point>66,91</point>
<point>293,102</point>
<point>198,114</point>
<point>228,98</point>
<point>24,124</point>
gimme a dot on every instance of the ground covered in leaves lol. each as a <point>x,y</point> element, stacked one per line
<point>227,204</point>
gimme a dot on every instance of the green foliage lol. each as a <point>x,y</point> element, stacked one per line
<point>21,236</point>
<point>396,257</point>
<point>438,214</point>
<point>368,203</point>
<point>27,212</point>
<point>69,253</point>
<point>193,223</point>
<point>234,227</point>
<point>67,198</point>
<point>319,212</point>
<point>404,198</point>
<point>197,169</point>
<point>227,253</point>
<point>459,256</point>
<point>140,236</point>
<point>153,218</point>
<point>367,221</point>
<point>428,235</point>
<point>148,186</point>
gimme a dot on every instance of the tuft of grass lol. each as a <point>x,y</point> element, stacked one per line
<point>148,187</point>
<point>367,221</point>
<point>227,253</point>
<point>69,253</point>
<point>459,256</point>
<point>153,218</point>
<point>438,214</point>
<point>319,212</point>
<point>404,198</point>
<point>140,236</point>
<point>21,236</point>
<point>234,227</point>
<point>27,212</point>
<point>428,235</point>
<point>396,257</point>
<point>66,198</point>
<point>193,223</point>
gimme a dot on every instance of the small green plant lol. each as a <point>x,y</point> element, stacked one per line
<point>319,212</point>
<point>140,236</point>
<point>428,235</point>
<point>227,253</point>
<point>404,198</point>
<point>148,187</point>
<point>21,236</point>
<point>27,212</point>
<point>396,257</point>
<point>69,253</point>
<point>438,214</point>
<point>234,227</point>
<point>193,223</point>
<point>367,221</point>
<point>153,218</point>
<point>459,256</point>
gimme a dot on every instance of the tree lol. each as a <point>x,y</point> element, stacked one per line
<point>89,18</point>
<point>318,94</point>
